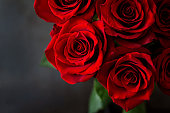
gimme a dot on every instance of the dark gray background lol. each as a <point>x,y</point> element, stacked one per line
<point>25,87</point>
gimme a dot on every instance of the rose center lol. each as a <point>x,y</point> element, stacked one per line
<point>128,11</point>
<point>130,77</point>
<point>79,46</point>
<point>165,15</point>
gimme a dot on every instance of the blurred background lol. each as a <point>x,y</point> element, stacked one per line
<point>25,86</point>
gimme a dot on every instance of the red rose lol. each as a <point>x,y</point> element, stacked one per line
<point>162,27</point>
<point>162,63</point>
<point>128,75</point>
<point>59,11</point>
<point>77,50</point>
<point>128,20</point>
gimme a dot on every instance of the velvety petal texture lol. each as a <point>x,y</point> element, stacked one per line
<point>162,63</point>
<point>162,25</point>
<point>121,49</point>
<point>77,50</point>
<point>59,11</point>
<point>128,75</point>
<point>129,21</point>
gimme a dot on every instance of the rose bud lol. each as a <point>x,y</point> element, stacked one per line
<point>162,63</point>
<point>129,21</point>
<point>162,25</point>
<point>77,50</point>
<point>128,75</point>
<point>59,11</point>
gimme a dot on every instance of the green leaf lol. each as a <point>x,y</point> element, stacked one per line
<point>116,43</point>
<point>45,62</point>
<point>95,18</point>
<point>139,109</point>
<point>99,98</point>
<point>95,103</point>
<point>102,93</point>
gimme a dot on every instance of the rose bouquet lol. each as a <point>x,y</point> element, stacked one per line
<point>123,44</point>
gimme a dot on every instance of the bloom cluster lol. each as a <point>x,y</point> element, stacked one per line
<point>125,44</point>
